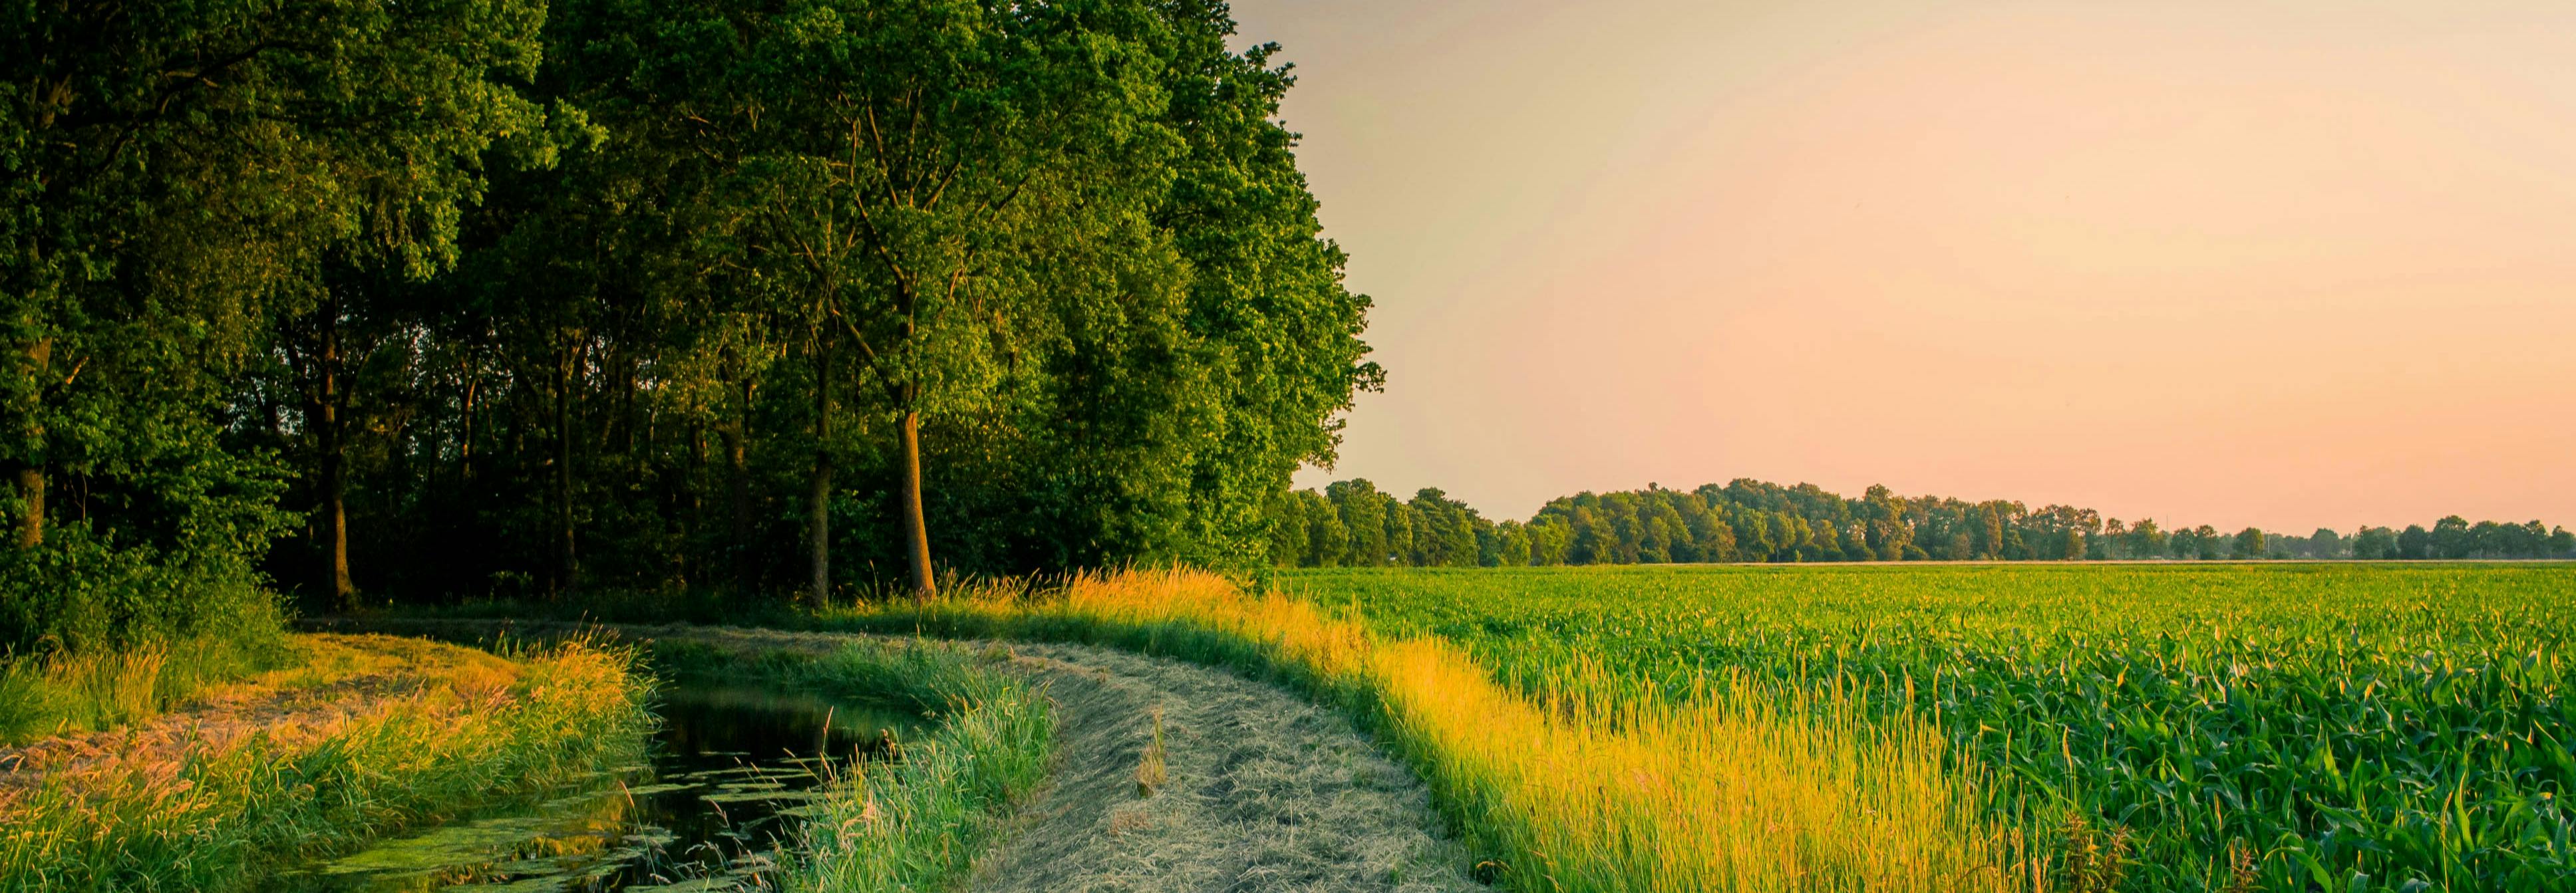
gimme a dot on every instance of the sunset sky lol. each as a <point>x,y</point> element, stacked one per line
<point>2279,264</point>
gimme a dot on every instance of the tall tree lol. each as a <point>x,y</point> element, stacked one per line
<point>173,177</point>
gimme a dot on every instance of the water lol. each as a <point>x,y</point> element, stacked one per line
<point>730,775</point>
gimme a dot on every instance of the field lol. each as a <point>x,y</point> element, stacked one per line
<point>2341,727</point>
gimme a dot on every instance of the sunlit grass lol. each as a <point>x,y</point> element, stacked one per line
<point>58,693</point>
<point>1724,788</point>
<point>220,816</point>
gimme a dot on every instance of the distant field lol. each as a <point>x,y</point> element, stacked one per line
<point>2337,726</point>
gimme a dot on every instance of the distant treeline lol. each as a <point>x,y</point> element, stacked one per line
<point>1352,524</point>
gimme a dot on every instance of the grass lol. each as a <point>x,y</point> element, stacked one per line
<point>2165,728</point>
<point>1151,771</point>
<point>1733,784</point>
<point>59,693</point>
<point>221,816</point>
<point>914,824</point>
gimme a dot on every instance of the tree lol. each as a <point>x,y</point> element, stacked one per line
<point>2450,539</point>
<point>2327,544</point>
<point>1512,545</point>
<point>928,157</point>
<point>2249,544</point>
<point>2374,544</point>
<point>2147,540</point>
<point>176,177</point>
<point>2415,544</point>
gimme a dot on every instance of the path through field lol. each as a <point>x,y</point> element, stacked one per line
<point>1265,791</point>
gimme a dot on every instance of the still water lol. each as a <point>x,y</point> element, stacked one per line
<point>729,777</point>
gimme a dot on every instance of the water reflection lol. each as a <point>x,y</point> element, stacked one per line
<point>731,772</point>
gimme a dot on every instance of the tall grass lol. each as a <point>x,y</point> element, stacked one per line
<point>1726,788</point>
<point>88,691</point>
<point>917,823</point>
<point>222,818</point>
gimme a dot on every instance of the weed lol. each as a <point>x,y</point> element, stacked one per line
<point>2094,862</point>
<point>1150,773</point>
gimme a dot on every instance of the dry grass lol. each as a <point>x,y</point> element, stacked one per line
<point>1731,788</point>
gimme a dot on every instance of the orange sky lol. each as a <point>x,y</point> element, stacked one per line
<point>2280,264</point>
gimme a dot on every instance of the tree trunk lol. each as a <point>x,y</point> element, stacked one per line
<point>465,446</point>
<point>326,429</point>
<point>738,487</point>
<point>31,505</point>
<point>566,564</point>
<point>915,533</point>
<point>819,503</point>
<point>31,473</point>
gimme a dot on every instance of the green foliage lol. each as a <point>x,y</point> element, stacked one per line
<point>509,297</point>
<point>2350,725</point>
<point>176,180</point>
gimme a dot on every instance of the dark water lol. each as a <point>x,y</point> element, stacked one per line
<point>730,776</point>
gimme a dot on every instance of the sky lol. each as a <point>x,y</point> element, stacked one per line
<point>2282,264</point>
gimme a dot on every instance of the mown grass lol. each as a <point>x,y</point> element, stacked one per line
<point>224,817</point>
<point>1730,785</point>
<point>41,696</point>
<point>2340,727</point>
<point>918,822</point>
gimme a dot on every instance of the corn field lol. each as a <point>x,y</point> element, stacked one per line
<point>2345,727</point>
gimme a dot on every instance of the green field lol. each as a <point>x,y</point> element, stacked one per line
<point>2339,727</point>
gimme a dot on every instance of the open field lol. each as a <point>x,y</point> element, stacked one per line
<point>2345,726</point>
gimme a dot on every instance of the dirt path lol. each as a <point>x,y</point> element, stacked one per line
<point>1265,791</point>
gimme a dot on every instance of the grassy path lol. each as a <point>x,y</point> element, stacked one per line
<point>1259,789</point>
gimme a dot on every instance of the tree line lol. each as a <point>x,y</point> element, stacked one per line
<point>426,299</point>
<point>1353,524</point>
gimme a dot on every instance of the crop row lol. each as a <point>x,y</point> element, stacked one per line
<point>2343,727</point>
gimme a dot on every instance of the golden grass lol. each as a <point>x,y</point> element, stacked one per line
<point>371,736</point>
<point>1731,788</point>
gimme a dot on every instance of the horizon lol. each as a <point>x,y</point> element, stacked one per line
<point>2288,268</point>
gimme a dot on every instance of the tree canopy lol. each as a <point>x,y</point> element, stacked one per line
<point>428,301</point>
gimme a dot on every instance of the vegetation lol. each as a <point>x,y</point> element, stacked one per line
<point>1352,524</point>
<point>1583,782</point>
<point>95,690</point>
<point>2309,727</point>
<point>917,823</point>
<point>221,814</point>
<point>516,298</point>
